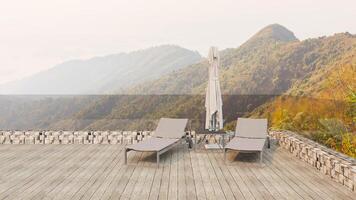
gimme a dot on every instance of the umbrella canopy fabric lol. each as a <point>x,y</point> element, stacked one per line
<point>213,100</point>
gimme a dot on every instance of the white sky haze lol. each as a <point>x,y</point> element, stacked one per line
<point>38,34</point>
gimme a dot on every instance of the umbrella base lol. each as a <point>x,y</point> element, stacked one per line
<point>213,146</point>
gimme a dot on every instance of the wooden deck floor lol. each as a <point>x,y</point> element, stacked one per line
<point>98,172</point>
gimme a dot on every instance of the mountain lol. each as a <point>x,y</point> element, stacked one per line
<point>271,63</point>
<point>249,69</point>
<point>105,75</point>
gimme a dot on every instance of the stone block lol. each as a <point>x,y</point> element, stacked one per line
<point>328,162</point>
<point>13,137</point>
<point>337,167</point>
<point>15,141</point>
<point>346,171</point>
<point>37,141</point>
<point>78,140</point>
<point>353,174</point>
<point>65,141</point>
<point>341,179</point>
<point>42,137</point>
<point>349,183</point>
<point>30,140</point>
<point>96,141</point>
<point>47,141</point>
<point>2,139</point>
<point>113,141</point>
<point>56,141</point>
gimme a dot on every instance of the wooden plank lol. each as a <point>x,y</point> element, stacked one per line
<point>182,186</point>
<point>74,181</point>
<point>82,158</point>
<point>126,194</point>
<point>148,183</point>
<point>188,174</point>
<point>212,176</point>
<point>245,182</point>
<point>227,176</point>
<point>273,184</point>
<point>137,191</point>
<point>29,174</point>
<point>101,168</point>
<point>36,188</point>
<point>173,176</point>
<point>101,182</point>
<point>256,183</point>
<point>209,190</point>
<point>19,157</point>
<point>282,183</point>
<point>220,176</point>
<point>107,186</point>
<point>309,171</point>
<point>70,171</point>
<point>164,187</point>
<point>198,181</point>
<point>124,175</point>
<point>298,186</point>
<point>154,191</point>
<point>313,178</point>
<point>13,156</point>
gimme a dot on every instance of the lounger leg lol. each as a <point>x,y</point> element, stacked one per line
<point>125,156</point>
<point>224,154</point>
<point>261,157</point>
<point>157,158</point>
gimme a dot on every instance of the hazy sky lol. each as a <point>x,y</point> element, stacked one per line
<point>38,34</point>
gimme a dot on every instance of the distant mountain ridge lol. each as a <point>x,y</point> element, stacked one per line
<point>104,75</point>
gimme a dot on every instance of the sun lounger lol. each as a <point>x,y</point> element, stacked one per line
<point>250,136</point>
<point>168,133</point>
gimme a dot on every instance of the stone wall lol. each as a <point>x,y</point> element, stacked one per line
<point>72,137</point>
<point>337,166</point>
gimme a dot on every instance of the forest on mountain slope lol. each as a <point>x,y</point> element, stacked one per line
<point>321,107</point>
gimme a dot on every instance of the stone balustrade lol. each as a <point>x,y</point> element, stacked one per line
<point>73,137</point>
<point>337,166</point>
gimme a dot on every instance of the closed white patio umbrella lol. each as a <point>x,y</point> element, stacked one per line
<point>213,100</point>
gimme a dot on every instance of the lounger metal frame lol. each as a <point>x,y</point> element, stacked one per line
<point>250,151</point>
<point>158,153</point>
